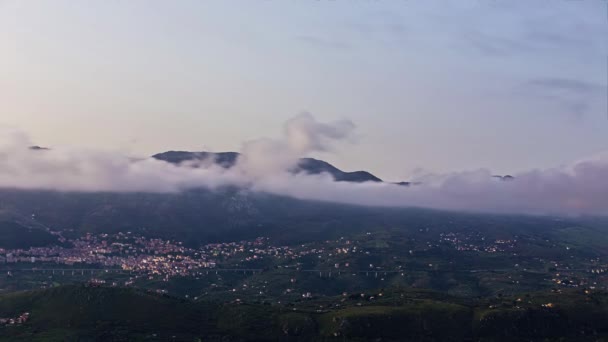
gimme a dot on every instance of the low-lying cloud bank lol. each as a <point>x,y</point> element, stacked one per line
<point>578,189</point>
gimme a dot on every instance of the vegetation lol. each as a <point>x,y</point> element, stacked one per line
<point>101,313</point>
<point>419,275</point>
<point>14,235</point>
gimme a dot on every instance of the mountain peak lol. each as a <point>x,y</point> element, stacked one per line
<point>306,165</point>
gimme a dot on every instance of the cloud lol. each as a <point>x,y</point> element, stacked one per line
<point>564,84</point>
<point>580,189</point>
<point>301,136</point>
<point>575,189</point>
<point>304,134</point>
<point>570,95</point>
<point>494,46</point>
<point>77,169</point>
<point>512,28</point>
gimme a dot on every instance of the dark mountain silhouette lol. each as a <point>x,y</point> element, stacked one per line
<point>307,165</point>
<point>504,178</point>
<point>315,166</point>
<point>225,159</point>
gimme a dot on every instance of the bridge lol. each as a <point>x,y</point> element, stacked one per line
<point>324,273</point>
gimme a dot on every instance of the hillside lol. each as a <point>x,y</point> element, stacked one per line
<point>229,214</point>
<point>91,313</point>
<point>14,235</point>
<point>74,312</point>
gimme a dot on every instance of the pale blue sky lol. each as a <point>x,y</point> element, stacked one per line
<point>442,85</point>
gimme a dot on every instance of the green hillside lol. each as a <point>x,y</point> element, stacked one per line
<point>81,313</point>
<point>14,235</point>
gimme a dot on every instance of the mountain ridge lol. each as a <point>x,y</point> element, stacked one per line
<point>306,165</point>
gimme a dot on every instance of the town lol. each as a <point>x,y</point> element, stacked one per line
<point>154,258</point>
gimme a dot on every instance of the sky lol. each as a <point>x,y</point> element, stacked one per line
<point>443,86</point>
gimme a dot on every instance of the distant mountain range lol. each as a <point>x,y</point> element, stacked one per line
<point>307,165</point>
<point>200,215</point>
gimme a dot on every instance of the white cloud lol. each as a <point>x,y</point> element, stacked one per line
<point>579,188</point>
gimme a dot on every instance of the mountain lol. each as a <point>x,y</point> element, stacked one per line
<point>38,148</point>
<point>224,159</point>
<point>228,214</point>
<point>201,216</point>
<point>315,166</point>
<point>504,178</point>
<point>195,216</point>
<point>307,165</point>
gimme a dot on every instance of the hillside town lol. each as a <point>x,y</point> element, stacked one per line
<point>145,257</point>
<point>20,319</point>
